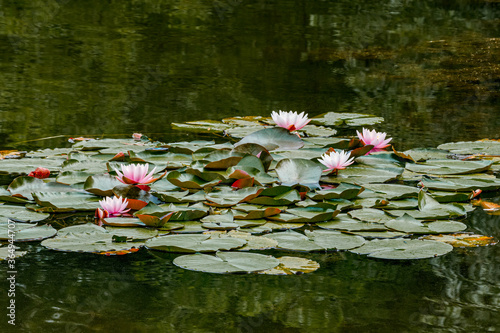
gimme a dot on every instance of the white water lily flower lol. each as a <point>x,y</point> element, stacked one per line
<point>292,121</point>
<point>336,160</point>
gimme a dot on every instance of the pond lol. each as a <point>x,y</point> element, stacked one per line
<point>98,69</point>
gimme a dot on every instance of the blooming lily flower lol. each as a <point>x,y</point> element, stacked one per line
<point>377,139</point>
<point>40,173</point>
<point>115,206</point>
<point>290,120</point>
<point>336,160</point>
<point>135,174</point>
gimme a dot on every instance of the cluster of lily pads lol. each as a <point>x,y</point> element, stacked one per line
<point>291,187</point>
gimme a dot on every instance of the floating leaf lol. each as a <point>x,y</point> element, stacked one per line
<point>403,249</point>
<point>123,222</point>
<point>193,243</point>
<point>299,171</point>
<point>186,180</point>
<point>345,118</point>
<point>293,266</point>
<point>408,224</point>
<point>449,167</point>
<point>273,138</point>
<point>463,240</point>
<point>26,232</point>
<point>320,240</point>
<point>227,262</point>
<point>101,184</point>
<point>87,238</point>
<point>370,215</point>
<point>461,184</point>
<point>344,222</point>
<point>25,186</point>
<point>21,214</point>
<point>67,201</point>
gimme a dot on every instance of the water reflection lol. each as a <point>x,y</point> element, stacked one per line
<point>93,68</point>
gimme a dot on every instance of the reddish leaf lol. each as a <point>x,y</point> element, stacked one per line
<point>244,182</point>
<point>136,204</point>
<point>403,155</point>
<point>40,173</point>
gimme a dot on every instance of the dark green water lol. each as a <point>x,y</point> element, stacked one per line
<point>93,68</point>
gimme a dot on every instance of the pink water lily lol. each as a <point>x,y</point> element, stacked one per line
<point>115,206</point>
<point>335,161</point>
<point>292,121</point>
<point>135,174</point>
<point>377,139</point>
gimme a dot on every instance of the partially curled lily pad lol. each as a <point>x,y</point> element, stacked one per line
<point>21,214</point>
<point>123,222</point>
<point>25,232</point>
<point>320,240</point>
<point>293,266</point>
<point>464,240</point>
<point>403,249</point>
<point>88,238</point>
<point>193,243</point>
<point>101,184</point>
<point>408,224</point>
<point>227,262</point>
<point>449,167</point>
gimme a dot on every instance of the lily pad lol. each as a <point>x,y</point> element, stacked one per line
<point>90,239</point>
<point>293,266</point>
<point>26,232</point>
<point>273,138</point>
<point>101,184</point>
<point>344,222</point>
<point>25,186</point>
<point>403,249</point>
<point>449,167</point>
<point>464,240</point>
<point>320,240</point>
<point>193,243</point>
<point>408,224</point>
<point>21,214</point>
<point>227,262</point>
<point>299,171</point>
<point>123,222</point>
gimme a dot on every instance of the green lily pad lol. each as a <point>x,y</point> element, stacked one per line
<point>486,147</point>
<point>21,214</point>
<point>133,234</point>
<point>202,126</point>
<point>293,266</point>
<point>227,197</point>
<point>344,222</point>
<point>320,240</point>
<point>227,262</point>
<point>193,243</point>
<point>26,232</point>
<point>403,249</point>
<point>26,165</point>
<point>343,191</point>
<point>274,226</point>
<point>72,177</point>
<point>394,191</point>
<point>370,215</point>
<point>25,186</point>
<point>88,238</point>
<point>299,171</point>
<point>349,119</point>
<point>123,222</point>
<point>461,184</point>
<point>449,167</point>
<point>101,184</point>
<point>305,215</point>
<point>253,242</point>
<point>186,180</point>
<point>65,201</point>
<point>273,138</point>
<point>408,224</point>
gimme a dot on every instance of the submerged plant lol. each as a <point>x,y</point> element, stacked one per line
<point>377,139</point>
<point>335,161</point>
<point>292,121</point>
<point>115,206</point>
